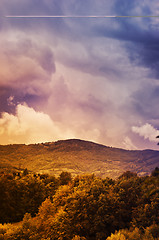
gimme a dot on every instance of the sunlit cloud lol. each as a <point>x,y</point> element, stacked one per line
<point>147,131</point>
<point>28,126</point>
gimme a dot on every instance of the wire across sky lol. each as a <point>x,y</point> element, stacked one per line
<point>77,16</point>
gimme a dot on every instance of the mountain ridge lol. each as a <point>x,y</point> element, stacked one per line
<point>79,157</point>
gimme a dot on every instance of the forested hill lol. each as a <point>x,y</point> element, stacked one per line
<point>78,157</point>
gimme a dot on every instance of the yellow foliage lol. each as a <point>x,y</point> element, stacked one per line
<point>117,236</point>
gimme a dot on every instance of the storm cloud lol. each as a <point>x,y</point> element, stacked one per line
<point>90,78</point>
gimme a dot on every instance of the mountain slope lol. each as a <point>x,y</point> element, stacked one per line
<point>78,157</point>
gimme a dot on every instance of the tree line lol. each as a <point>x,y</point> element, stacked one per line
<point>85,207</point>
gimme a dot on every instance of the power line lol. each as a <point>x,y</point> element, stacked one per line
<point>79,16</point>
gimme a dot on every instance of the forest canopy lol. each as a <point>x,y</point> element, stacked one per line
<point>39,206</point>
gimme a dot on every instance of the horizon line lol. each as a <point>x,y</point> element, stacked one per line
<point>80,16</point>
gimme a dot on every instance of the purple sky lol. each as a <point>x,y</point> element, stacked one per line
<point>90,78</point>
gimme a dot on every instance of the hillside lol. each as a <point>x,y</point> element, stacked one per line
<point>78,157</point>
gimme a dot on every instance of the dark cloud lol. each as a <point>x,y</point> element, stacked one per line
<point>147,54</point>
<point>145,102</point>
<point>25,74</point>
<point>139,35</point>
<point>5,93</point>
<point>131,8</point>
<point>10,97</point>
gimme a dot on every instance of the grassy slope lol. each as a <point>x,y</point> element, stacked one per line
<point>78,157</point>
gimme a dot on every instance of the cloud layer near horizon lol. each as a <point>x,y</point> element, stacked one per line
<point>27,126</point>
<point>94,79</point>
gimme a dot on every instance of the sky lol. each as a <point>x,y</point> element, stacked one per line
<point>94,79</point>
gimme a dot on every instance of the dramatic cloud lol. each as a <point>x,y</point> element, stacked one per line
<point>24,60</point>
<point>93,78</point>
<point>139,35</point>
<point>26,70</point>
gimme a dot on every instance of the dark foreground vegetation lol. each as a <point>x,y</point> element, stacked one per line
<point>38,207</point>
